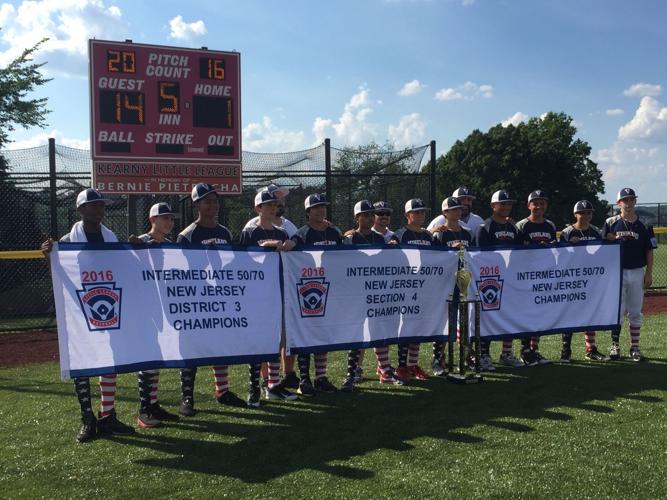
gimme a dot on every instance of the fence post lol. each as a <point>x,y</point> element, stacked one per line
<point>131,214</point>
<point>434,204</point>
<point>327,174</point>
<point>53,189</point>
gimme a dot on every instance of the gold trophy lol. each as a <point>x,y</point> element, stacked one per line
<point>463,277</point>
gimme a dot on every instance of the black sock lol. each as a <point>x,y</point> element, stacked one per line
<point>525,344</point>
<point>82,391</point>
<point>352,363</point>
<point>616,336</point>
<point>145,381</point>
<point>567,341</point>
<point>437,350</point>
<point>188,376</point>
<point>485,347</point>
<point>254,375</point>
<point>304,366</point>
<point>403,355</point>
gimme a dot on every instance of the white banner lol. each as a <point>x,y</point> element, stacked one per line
<point>532,290</point>
<point>121,308</point>
<point>355,297</point>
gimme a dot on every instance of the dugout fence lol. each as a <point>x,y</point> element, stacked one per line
<point>38,188</point>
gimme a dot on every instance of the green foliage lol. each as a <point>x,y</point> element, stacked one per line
<point>582,430</point>
<point>540,154</point>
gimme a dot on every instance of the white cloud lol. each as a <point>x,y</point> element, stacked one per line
<point>67,23</point>
<point>649,122</point>
<point>515,119</point>
<point>643,89</point>
<point>469,91</point>
<point>352,127</point>
<point>614,112</point>
<point>187,32</point>
<point>264,137</point>
<point>42,139</point>
<point>411,88</point>
<point>410,131</point>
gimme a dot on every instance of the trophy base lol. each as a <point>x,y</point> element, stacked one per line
<point>468,378</point>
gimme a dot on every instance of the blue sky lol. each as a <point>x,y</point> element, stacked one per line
<point>405,71</point>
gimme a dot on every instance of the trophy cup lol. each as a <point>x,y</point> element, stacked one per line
<point>463,277</point>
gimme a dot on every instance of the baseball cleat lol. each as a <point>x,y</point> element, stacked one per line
<point>507,359</point>
<point>306,388</point>
<point>565,356</point>
<point>348,385</point>
<point>614,352</point>
<point>253,398</point>
<point>403,373</point>
<point>187,408</point>
<point>278,392</point>
<point>147,420</point>
<point>359,375</point>
<point>228,398</point>
<point>322,384</point>
<point>636,355</point>
<point>389,377</point>
<point>161,414</point>
<point>594,355</point>
<point>290,381</point>
<point>541,360</point>
<point>110,425</point>
<point>528,358</point>
<point>485,363</point>
<point>418,373</point>
<point>88,430</point>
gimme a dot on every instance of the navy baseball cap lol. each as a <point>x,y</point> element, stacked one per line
<point>90,195</point>
<point>201,190</point>
<point>450,203</point>
<point>583,206</point>
<point>161,208</point>
<point>265,196</point>
<point>463,191</point>
<point>277,190</point>
<point>538,194</point>
<point>382,206</point>
<point>414,205</point>
<point>501,195</point>
<point>626,193</point>
<point>315,199</point>
<point>362,207</point>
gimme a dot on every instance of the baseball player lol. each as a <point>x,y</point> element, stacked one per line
<point>498,230</point>
<point>412,234</point>
<point>317,231</point>
<point>382,220</point>
<point>535,230</point>
<point>468,220</point>
<point>91,206</point>
<point>637,243</point>
<point>205,231</point>
<point>265,234</point>
<point>151,414</point>
<point>453,235</point>
<point>364,215</point>
<point>581,230</point>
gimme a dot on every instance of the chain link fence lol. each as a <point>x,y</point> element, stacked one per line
<point>38,188</point>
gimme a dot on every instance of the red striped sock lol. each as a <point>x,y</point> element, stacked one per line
<point>382,354</point>
<point>107,394</point>
<point>534,343</point>
<point>507,346</point>
<point>154,383</point>
<point>413,354</point>
<point>634,337</point>
<point>320,365</point>
<point>589,338</point>
<point>221,378</point>
<point>273,373</point>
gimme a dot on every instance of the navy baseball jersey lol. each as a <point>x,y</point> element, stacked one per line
<point>453,239</point>
<point>357,238</point>
<point>405,236</point>
<point>197,234</point>
<point>494,234</point>
<point>253,235</point>
<point>635,239</point>
<point>306,235</point>
<point>536,232</point>
<point>590,234</point>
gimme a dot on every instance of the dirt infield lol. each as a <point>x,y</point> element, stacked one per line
<point>22,348</point>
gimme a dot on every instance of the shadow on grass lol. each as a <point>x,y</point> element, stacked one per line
<point>282,438</point>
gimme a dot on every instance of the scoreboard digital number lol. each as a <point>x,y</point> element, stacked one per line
<point>155,105</point>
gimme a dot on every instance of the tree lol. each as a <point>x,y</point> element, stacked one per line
<point>540,154</point>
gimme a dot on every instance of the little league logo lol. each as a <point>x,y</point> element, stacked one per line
<point>313,294</point>
<point>100,303</point>
<point>490,290</point>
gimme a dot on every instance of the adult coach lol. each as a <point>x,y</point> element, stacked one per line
<point>382,220</point>
<point>91,205</point>
<point>535,230</point>
<point>205,231</point>
<point>468,219</point>
<point>637,245</point>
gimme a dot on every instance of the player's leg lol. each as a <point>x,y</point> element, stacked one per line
<point>402,370</point>
<point>321,381</point>
<point>535,348</point>
<point>254,394</point>
<point>305,385</point>
<point>526,354</point>
<point>615,348</point>
<point>222,393</point>
<point>437,361</point>
<point>485,362</point>
<point>413,363</point>
<point>146,419</point>
<point>352,365</point>
<point>507,357</point>
<point>88,430</point>
<point>156,409</point>
<point>359,374</point>
<point>566,350</point>
<point>384,369</point>
<point>107,422</point>
<point>635,300</point>
<point>290,380</point>
<point>592,353</point>
<point>188,377</point>
<point>274,387</point>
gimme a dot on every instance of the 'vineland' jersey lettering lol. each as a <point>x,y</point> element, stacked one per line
<point>536,232</point>
<point>405,236</point>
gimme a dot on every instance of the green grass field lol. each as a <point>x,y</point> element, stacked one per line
<point>566,431</point>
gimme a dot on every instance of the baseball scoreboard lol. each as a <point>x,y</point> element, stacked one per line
<point>164,118</point>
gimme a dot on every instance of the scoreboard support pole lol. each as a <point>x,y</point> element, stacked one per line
<point>327,175</point>
<point>131,214</point>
